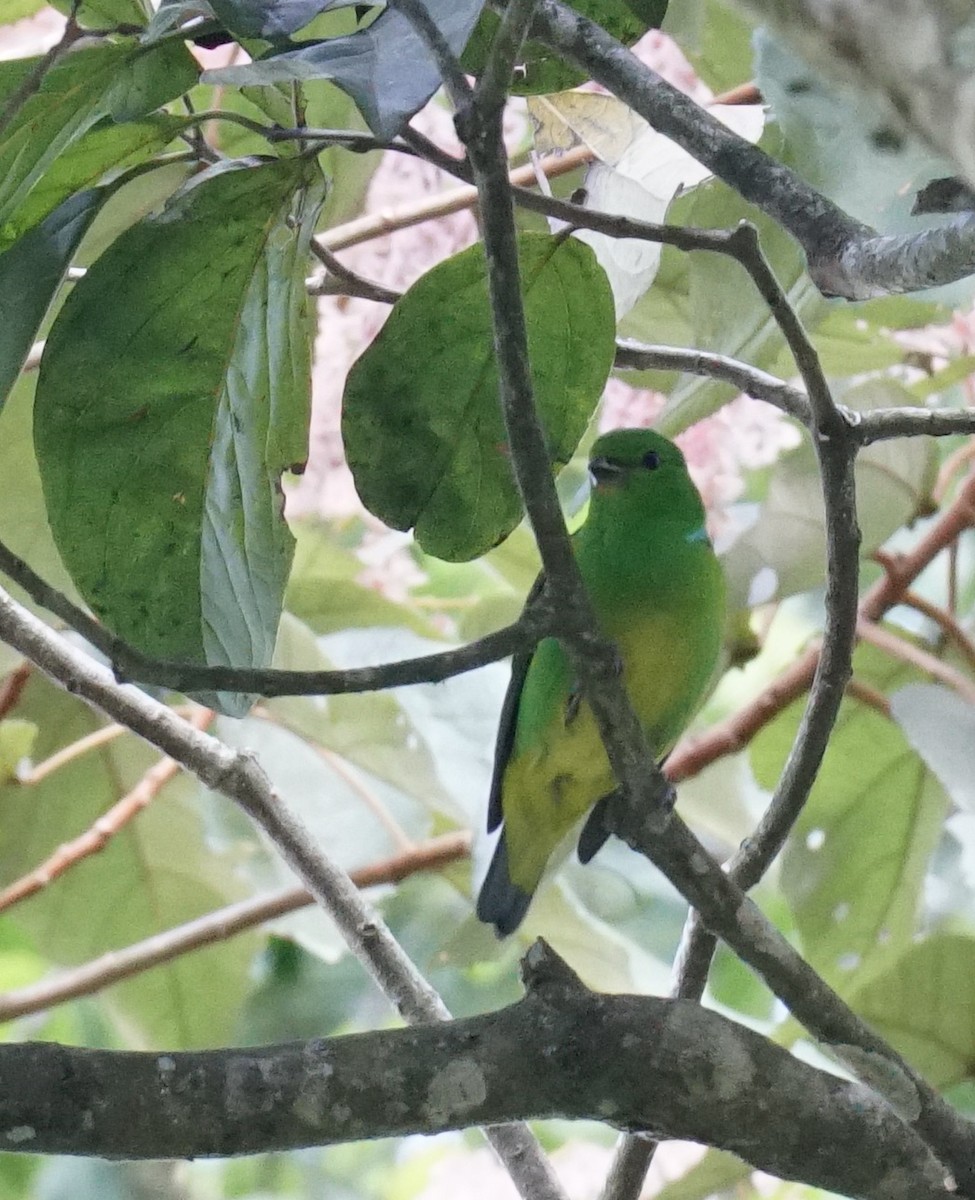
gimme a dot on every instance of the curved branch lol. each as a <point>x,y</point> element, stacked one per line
<point>131,664</point>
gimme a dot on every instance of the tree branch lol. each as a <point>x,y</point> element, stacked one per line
<point>908,51</point>
<point>130,663</point>
<point>760,385</point>
<point>844,257</point>
<point>688,1073</point>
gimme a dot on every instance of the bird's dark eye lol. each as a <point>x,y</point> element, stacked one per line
<point>651,460</point>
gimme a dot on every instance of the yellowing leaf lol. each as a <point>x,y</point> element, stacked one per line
<point>638,173</point>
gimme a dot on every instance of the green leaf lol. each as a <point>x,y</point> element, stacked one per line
<point>386,68</point>
<point>23,521</point>
<point>156,872</point>
<point>923,1007</point>
<point>718,1173</point>
<point>345,807</point>
<point>173,393</point>
<point>31,272</point>
<point>540,69</point>
<point>894,478</point>
<point>324,593</point>
<point>16,10</point>
<point>103,150</point>
<point>433,744</point>
<point>102,14</point>
<point>16,743</point>
<point>122,81</point>
<point>855,863</point>
<point>421,420</point>
<point>717,39</point>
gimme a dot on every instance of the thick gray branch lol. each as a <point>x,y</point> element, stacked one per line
<point>917,55</point>
<point>634,1061</point>
<point>844,257</point>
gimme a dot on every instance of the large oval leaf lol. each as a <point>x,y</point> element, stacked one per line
<point>173,393</point>
<point>422,424</point>
<point>31,272</point>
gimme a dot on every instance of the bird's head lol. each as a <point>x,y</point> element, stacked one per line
<point>642,471</point>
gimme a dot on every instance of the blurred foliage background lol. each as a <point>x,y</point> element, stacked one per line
<point>877,883</point>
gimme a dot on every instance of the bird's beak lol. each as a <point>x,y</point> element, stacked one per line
<point>603,472</point>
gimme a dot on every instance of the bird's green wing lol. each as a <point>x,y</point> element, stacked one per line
<point>509,718</point>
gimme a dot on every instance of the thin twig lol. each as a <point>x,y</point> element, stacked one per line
<point>899,648</point>
<point>948,625</point>
<point>68,754</point>
<point>108,825</point>
<point>364,229</point>
<point>12,687</point>
<point>871,696</point>
<point>756,383</point>
<point>350,283</point>
<point>216,927</point>
<point>495,79</point>
<point>129,663</point>
<point>35,79</point>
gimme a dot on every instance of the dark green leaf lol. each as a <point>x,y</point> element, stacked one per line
<point>387,68</point>
<point>31,272</point>
<point>422,423</point>
<point>102,150</point>
<point>122,81</point>
<point>173,393</point>
<point>540,70</point>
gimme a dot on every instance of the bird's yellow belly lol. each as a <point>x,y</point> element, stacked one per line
<point>554,779</point>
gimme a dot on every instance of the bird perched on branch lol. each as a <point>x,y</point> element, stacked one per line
<point>658,593</point>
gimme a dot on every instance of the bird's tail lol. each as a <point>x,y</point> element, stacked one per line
<point>501,903</point>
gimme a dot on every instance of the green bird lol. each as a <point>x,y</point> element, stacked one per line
<point>658,593</point>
